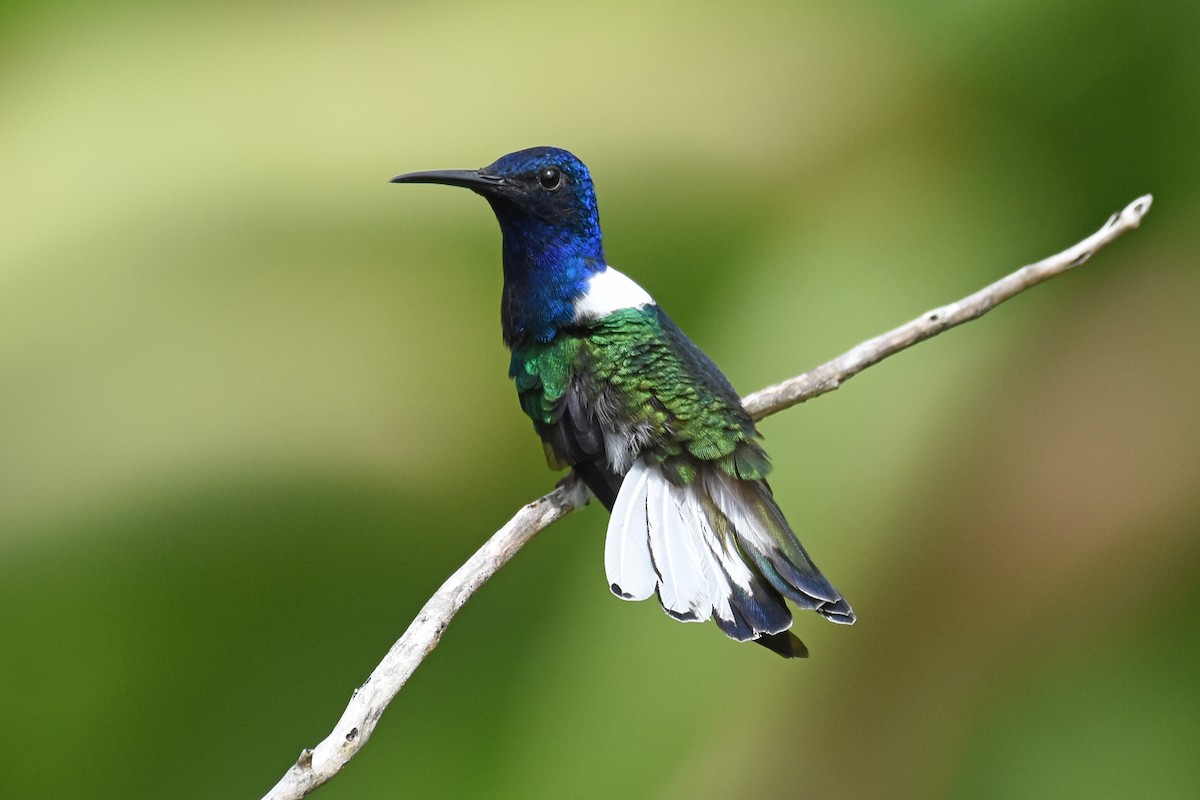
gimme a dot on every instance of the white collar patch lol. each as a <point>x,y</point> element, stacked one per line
<point>610,291</point>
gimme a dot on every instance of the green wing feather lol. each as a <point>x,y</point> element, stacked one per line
<point>636,369</point>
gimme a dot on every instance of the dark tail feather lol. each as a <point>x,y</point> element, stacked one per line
<point>603,482</point>
<point>767,540</point>
<point>756,612</point>
<point>786,644</point>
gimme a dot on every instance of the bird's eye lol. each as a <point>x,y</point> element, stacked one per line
<point>550,178</point>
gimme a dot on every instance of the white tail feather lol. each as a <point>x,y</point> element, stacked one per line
<point>730,570</point>
<point>679,553</point>
<point>714,575</point>
<point>627,560</point>
<point>715,553</point>
<point>660,538</point>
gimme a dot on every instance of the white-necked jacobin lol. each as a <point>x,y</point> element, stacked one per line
<point>618,393</point>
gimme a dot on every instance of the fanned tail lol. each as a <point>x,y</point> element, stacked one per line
<point>717,547</point>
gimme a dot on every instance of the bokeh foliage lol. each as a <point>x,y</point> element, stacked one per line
<point>253,405</point>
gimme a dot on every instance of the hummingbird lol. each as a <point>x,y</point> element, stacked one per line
<point>619,394</point>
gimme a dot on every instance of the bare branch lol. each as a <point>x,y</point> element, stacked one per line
<point>832,374</point>
<point>321,763</point>
<point>318,765</point>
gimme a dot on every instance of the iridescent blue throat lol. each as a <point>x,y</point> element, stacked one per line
<point>546,270</point>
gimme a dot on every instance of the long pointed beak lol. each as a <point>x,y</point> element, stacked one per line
<point>467,178</point>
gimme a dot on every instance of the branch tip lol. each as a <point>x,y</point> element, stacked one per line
<point>1138,208</point>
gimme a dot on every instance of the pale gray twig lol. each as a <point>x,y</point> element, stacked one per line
<point>318,765</point>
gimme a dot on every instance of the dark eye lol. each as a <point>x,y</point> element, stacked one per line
<point>550,178</point>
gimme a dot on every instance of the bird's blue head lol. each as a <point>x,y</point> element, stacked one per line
<point>546,206</point>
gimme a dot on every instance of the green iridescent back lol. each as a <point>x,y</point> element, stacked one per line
<point>637,363</point>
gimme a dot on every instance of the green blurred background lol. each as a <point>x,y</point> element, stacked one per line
<point>253,403</point>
